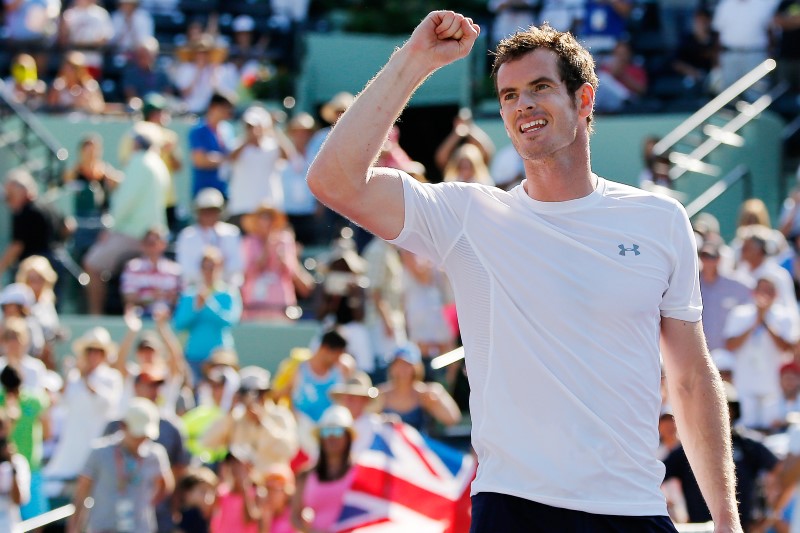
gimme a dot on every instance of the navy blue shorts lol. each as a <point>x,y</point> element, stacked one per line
<point>501,513</point>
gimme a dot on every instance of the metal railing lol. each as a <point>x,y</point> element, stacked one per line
<point>740,173</point>
<point>50,517</point>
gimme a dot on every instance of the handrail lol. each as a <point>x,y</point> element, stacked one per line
<point>49,517</point>
<point>712,107</point>
<point>716,190</point>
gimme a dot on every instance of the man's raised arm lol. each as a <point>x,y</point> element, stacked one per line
<point>340,176</point>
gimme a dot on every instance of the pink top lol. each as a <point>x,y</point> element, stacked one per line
<point>326,498</point>
<point>282,523</point>
<point>268,288</point>
<point>229,514</point>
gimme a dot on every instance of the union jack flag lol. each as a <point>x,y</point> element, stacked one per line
<point>406,482</point>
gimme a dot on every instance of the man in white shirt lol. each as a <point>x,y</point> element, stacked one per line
<point>566,287</point>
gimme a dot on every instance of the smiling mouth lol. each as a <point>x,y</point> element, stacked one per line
<point>533,125</point>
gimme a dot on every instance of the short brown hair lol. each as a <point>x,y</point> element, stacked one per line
<point>575,63</point>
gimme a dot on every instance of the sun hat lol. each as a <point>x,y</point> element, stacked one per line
<point>141,418</point>
<point>97,337</point>
<point>357,385</point>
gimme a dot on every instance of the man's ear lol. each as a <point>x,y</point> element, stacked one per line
<point>585,100</point>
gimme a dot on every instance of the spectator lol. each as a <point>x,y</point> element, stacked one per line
<point>136,206</point>
<point>360,398</point>
<point>721,293</point>
<point>24,85</point>
<point>86,25</point>
<point>276,514</point>
<point>15,353</point>
<point>151,280</point>
<point>210,142</point>
<point>623,81</point>
<point>466,164</point>
<point>74,88</point>
<point>28,410</point>
<point>195,495</point>
<point>208,310</point>
<point>758,334</point>
<point>790,393</point>
<point>91,397</point>
<point>36,273</point>
<point>92,181</point>
<point>31,23</point>
<point>563,15</point>
<point>510,16</point>
<point>744,36</point>
<point>133,26</point>
<point>14,478</point>
<point>36,229</point>
<point>239,498</point>
<point>143,75</point>
<point>154,111</point>
<point>464,131</point>
<point>255,165</point>
<point>16,301</point>
<point>199,419</point>
<point>203,72</point>
<point>300,205</point>
<point>272,271</point>
<point>406,394</point>
<point>246,52</point>
<point>209,230</point>
<point>706,227</point>
<point>225,361</point>
<point>126,474</point>
<point>605,22</point>
<point>698,52</point>
<point>267,430</point>
<point>321,489</point>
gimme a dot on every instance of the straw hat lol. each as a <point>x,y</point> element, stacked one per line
<point>217,51</point>
<point>338,104</point>
<point>96,337</point>
<point>221,357</point>
<point>250,220</point>
<point>358,385</point>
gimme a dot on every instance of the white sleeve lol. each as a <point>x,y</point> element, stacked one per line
<point>23,475</point>
<point>682,298</point>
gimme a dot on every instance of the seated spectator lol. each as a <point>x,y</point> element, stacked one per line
<point>36,273</point>
<point>16,300</point>
<point>246,52</point>
<point>74,88</point>
<point>698,52</point>
<point>298,202</point>
<point>87,26</point>
<point>151,280</point>
<point>604,23</point>
<point>92,180</point>
<point>622,80</point>
<point>92,392</point>
<point>257,424</point>
<point>24,85</point>
<point>143,75</point>
<point>406,394</point>
<point>467,165</point>
<point>464,131</point>
<point>255,165</point>
<point>203,71</point>
<point>195,495</point>
<point>31,23</point>
<point>318,498</point>
<point>15,342</point>
<point>15,478</point>
<point>271,266</point>
<point>28,411</point>
<point>208,310</point>
<point>209,230</point>
<point>239,497</point>
<point>133,26</point>
<point>137,205</point>
<point>210,141</point>
<point>126,475</point>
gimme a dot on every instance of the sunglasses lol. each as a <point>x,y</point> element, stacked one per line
<point>331,432</point>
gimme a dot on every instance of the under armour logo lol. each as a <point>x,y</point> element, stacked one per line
<point>634,248</point>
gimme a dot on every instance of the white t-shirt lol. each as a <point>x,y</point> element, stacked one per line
<point>560,305</point>
<point>89,25</point>
<point>130,33</point>
<point>32,371</point>
<point>256,178</point>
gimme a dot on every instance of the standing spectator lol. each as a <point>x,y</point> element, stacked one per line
<point>605,22</point>
<point>203,72</point>
<point>15,344</point>
<point>257,423</point>
<point>133,26</point>
<point>321,488</point>
<point>74,88</point>
<point>298,202</point>
<point>209,230</point>
<point>136,206</point>
<point>14,478</point>
<point>721,293</point>
<point>36,273</point>
<point>697,52</point>
<point>28,409</point>
<point>758,335</point>
<point>152,279</point>
<point>143,75</point>
<point>126,474</point>
<point>154,111</point>
<point>195,494</point>
<point>36,229</point>
<point>208,311</point>
<point>92,392</point>
<point>87,25</point>
<point>16,300</point>
<point>247,53</point>
<point>92,181</point>
<point>210,142</point>
<point>467,165</point>
<point>255,165</point>
<point>239,498</point>
<point>744,35</point>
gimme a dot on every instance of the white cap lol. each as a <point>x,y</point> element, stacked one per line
<point>209,198</point>
<point>141,418</point>
<point>243,23</point>
<point>17,293</point>
<point>254,378</point>
<point>257,116</point>
<point>336,416</point>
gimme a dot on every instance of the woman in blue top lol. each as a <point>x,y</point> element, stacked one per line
<point>415,401</point>
<point>208,311</point>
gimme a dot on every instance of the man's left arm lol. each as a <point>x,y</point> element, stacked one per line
<point>698,401</point>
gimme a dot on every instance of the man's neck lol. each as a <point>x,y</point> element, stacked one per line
<point>565,175</point>
<point>709,275</point>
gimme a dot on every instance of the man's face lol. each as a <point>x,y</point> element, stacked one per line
<point>16,196</point>
<point>540,115</point>
<point>764,294</point>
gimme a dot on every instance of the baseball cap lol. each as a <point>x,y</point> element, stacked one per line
<point>209,198</point>
<point>141,419</point>
<point>254,378</point>
<point>408,353</point>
